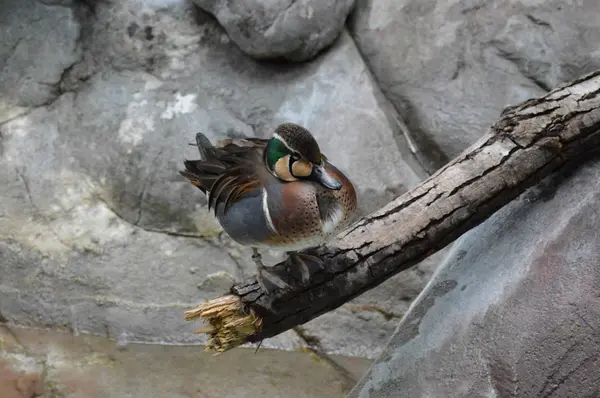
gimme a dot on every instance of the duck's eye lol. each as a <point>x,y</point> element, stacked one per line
<point>294,157</point>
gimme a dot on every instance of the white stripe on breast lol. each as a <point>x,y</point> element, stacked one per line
<point>334,218</point>
<point>265,207</point>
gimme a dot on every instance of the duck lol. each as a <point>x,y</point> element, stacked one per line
<point>279,193</point>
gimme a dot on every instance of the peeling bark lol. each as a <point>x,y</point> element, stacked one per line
<point>529,142</point>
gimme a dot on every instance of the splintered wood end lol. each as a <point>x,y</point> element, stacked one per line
<point>228,325</point>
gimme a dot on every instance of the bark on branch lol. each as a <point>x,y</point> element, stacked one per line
<point>528,142</point>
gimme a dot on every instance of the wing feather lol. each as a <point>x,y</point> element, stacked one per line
<point>228,171</point>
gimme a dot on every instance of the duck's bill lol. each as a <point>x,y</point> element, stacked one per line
<point>323,177</point>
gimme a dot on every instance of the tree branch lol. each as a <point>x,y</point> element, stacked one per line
<point>530,141</point>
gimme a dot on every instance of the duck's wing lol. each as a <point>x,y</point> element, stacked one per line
<point>227,171</point>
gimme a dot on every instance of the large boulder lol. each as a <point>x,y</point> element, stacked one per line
<point>514,309</point>
<point>100,234</point>
<point>451,66</point>
<point>290,29</point>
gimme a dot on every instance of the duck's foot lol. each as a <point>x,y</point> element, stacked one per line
<point>267,280</point>
<point>306,264</point>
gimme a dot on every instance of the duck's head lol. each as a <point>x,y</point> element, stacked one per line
<point>293,154</point>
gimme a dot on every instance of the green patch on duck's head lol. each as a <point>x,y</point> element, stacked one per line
<point>274,151</point>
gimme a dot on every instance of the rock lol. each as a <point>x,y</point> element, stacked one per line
<point>98,231</point>
<point>39,42</point>
<point>293,30</point>
<point>92,366</point>
<point>350,329</point>
<point>514,309</point>
<point>450,67</point>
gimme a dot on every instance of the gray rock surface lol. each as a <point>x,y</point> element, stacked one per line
<point>514,309</point>
<point>376,312</point>
<point>100,234</point>
<point>39,41</point>
<point>450,67</point>
<point>296,30</point>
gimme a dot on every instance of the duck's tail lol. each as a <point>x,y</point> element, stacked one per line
<point>204,172</point>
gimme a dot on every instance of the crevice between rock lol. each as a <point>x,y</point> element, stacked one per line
<point>387,315</point>
<point>147,229</point>
<point>422,166</point>
<point>313,345</point>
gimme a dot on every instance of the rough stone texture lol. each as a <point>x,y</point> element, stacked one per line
<point>52,365</point>
<point>296,30</point>
<point>342,331</point>
<point>450,66</point>
<point>514,309</point>
<point>99,233</point>
<point>39,42</point>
